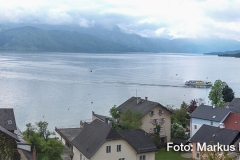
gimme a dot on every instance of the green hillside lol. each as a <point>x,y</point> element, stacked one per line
<point>31,38</point>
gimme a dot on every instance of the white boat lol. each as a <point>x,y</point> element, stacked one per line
<point>198,83</point>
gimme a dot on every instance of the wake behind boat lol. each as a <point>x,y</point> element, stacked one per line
<point>198,83</point>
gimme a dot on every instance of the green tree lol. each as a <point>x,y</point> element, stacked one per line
<point>53,149</point>
<point>43,131</point>
<point>180,115</point>
<point>228,94</point>
<point>215,95</point>
<point>155,136</point>
<point>114,112</point>
<point>130,119</point>
<point>177,131</point>
<point>38,137</point>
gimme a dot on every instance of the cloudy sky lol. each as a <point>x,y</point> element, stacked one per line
<point>150,18</point>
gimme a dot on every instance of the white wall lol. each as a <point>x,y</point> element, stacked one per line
<point>126,152</point>
<point>199,123</point>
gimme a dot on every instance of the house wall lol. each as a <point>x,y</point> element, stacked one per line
<point>166,126</point>
<point>77,154</point>
<point>127,152</point>
<point>194,152</point>
<point>199,123</point>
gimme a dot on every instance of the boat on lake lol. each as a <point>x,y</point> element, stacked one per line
<point>198,83</point>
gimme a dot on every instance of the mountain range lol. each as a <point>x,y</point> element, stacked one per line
<point>99,39</point>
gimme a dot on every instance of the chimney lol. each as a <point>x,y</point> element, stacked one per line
<point>138,99</point>
<point>106,120</point>
<point>81,124</point>
<point>221,125</point>
<point>34,154</point>
<point>146,98</point>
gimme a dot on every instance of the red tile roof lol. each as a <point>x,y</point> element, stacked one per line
<point>232,121</point>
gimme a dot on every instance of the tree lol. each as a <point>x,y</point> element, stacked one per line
<point>114,112</point>
<point>192,106</point>
<point>130,119</point>
<point>180,115</point>
<point>228,94</point>
<point>43,132</point>
<point>53,149</point>
<point>215,95</point>
<point>155,136</point>
<point>177,131</point>
<point>38,137</point>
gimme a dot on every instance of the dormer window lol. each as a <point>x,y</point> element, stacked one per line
<point>213,116</point>
<point>9,121</point>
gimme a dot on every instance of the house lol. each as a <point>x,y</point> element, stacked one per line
<point>10,134</point>
<point>234,105</point>
<point>207,134</point>
<point>208,115</point>
<point>100,117</point>
<point>153,114</point>
<point>232,121</point>
<point>99,141</point>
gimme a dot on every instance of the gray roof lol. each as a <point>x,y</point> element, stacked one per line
<point>218,135</point>
<point>93,136</point>
<point>90,139</point>
<point>7,119</point>
<point>139,140</point>
<point>69,133</point>
<point>144,106</point>
<point>209,113</point>
<point>20,136</point>
<point>234,105</point>
<point>100,116</point>
<point>8,133</point>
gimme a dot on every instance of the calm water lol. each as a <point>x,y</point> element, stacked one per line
<point>63,88</point>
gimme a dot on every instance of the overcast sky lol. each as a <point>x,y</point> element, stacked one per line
<point>151,18</point>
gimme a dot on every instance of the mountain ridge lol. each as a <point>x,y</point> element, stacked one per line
<point>99,39</point>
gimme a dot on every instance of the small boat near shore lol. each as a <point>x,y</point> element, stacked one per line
<point>198,83</point>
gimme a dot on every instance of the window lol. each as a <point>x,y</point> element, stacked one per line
<point>108,149</point>
<point>160,112</point>
<point>9,121</point>
<point>154,121</point>
<point>163,120</point>
<point>161,129</point>
<point>142,157</point>
<point>121,159</point>
<point>118,148</point>
<point>211,123</point>
<point>197,155</point>
<point>151,113</point>
<point>80,156</point>
<point>195,126</point>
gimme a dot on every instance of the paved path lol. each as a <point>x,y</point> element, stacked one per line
<point>66,153</point>
<point>23,157</point>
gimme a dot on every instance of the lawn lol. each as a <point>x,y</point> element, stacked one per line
<point>163,154</point>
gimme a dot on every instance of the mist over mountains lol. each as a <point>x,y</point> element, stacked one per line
<point>63,38</point>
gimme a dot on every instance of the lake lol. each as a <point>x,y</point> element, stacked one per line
<point>64,88</point>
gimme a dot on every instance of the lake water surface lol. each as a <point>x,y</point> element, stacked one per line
<point>64,88</point>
